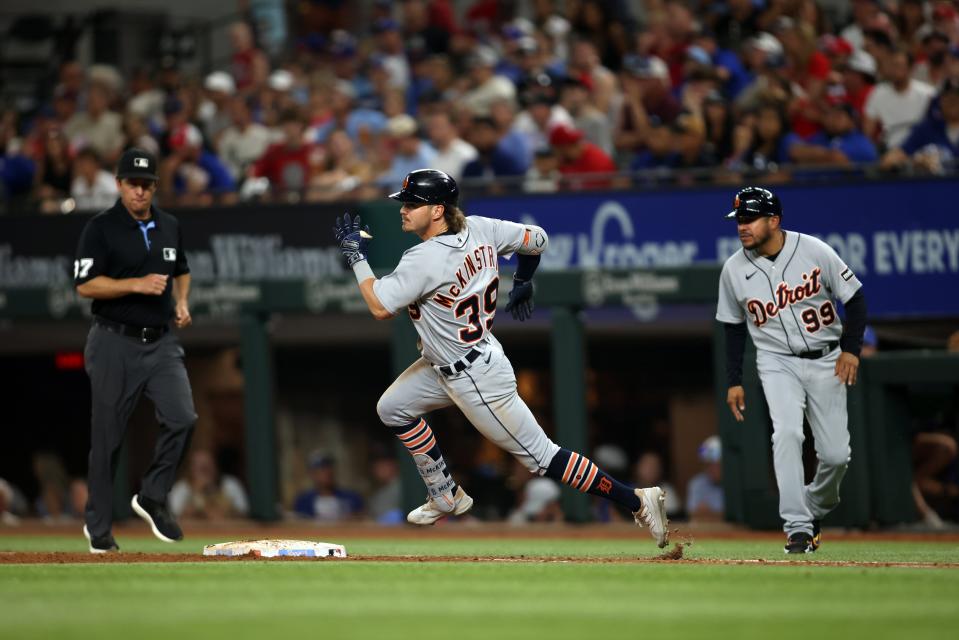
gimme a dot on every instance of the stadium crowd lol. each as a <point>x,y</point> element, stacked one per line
<point>537,95</point>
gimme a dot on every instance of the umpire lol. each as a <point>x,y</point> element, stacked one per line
<point>130,261</point>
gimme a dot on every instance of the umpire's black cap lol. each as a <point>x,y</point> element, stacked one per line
<point>753,202</point>
<point>428,186</point>
<point>137,163</point>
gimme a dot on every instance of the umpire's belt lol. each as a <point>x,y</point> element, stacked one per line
<point>818,353</point>
<point>455,367</point>
<point>145,335</point>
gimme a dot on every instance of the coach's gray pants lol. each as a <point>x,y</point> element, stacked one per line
<point>793,387</point>
<point>120,369</point>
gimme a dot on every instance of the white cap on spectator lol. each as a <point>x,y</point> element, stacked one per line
<point>538,494</point>
<point>220,81</point>
<point>862,62</point>
<point>767,43</point>
<point>281,80</point>
<point>483,56</point>
<point>346,88</point>
<point>107,76</point>
<point>401,125</point>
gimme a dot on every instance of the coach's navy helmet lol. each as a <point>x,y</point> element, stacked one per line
<point>753,202</point>
<point>428,186</point>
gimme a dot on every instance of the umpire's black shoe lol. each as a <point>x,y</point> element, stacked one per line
<point>100,544</point>
<point>799,543</point>
<point>816,534</point>
<point>158,517</point>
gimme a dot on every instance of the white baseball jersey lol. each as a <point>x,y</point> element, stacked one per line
<point>449,284</point>
<point>788,301</point>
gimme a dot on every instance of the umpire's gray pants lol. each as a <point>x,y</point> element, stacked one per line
<point>120,369</point>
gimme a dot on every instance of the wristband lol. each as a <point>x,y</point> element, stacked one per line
<point>362,271</point>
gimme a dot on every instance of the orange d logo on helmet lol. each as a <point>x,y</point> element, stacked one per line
<point>735,201</point>
<point>406,182</point>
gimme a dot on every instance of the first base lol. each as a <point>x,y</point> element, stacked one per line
<point>276,548</point>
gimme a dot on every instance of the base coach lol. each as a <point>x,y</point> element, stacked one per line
<point>130,261</point>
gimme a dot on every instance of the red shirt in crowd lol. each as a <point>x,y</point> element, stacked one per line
<point>289,168</point>
<point>591,160</point>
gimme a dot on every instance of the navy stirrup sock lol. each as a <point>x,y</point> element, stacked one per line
<point>583,474</point>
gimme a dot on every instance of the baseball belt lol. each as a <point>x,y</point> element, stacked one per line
<point>455,367</point>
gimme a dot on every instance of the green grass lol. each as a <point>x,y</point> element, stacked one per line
<point>461,601</point>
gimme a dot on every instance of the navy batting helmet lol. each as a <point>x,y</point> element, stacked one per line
<point>754,202</point>
<point>428,186</point>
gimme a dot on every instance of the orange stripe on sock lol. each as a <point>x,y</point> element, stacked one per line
<point>581,470</point>
<point>413,431</point>
<point>426,447</point>
<point>569,466</point>
<point>423,438</point>
<point>589,479</point>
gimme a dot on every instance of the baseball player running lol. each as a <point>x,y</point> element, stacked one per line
<point>785,285</point>
<point>448,284</point>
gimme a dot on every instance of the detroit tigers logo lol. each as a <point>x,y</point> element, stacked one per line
<point>605,485</point>
<point>762,312</point>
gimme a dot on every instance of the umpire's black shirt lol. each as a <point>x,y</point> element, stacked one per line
<point>115,244</point>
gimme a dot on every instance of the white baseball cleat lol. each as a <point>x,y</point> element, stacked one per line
<point>432,511</point>
<point>652,514</point>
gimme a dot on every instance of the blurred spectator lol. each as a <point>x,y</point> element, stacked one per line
<point>897,103</point>
<point>12,504</point>
<point>543,176</point>
<point>839,143</point>
<point>595,124</point>
<point>647,90</point>
<point>933,144</point>
<point>540,115</point>
<point>864,15</point>
<point>658,157</point>
<point>690,140</point>
<point>137,133</point>
<point>54,172</point>
<point>409,152</point>
<point>390,52</point>
<point>146,99</point>
<point>191,172</point>
<point>737,22</point>
<point>97,127</point>
<point>93,187</point>
<point>763,142</point>
<point>385,503</point>
<point>325,500</point>
<point>858,79</point>
<point>486,86</point>
<point>579,158</point>
<point>213,112</point>
<point>933,69</point>
<point>720,125</point>
<point>933,451</point>
<point>249,65</point>
<point>452,152</point>
<point>207,494</point>
<point>649,472</point>
<point>244,141</point>
<point>586,66</point>
<point>765,57</point>
<point>539,503</point>
<point>289,165</point>
<point>704,493</point>
<point>497,157</point>
<point>360,123</point>
<point>52,501</point>
<point>343,172</point>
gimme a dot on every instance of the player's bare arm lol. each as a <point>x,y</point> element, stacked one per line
<point>372,302</point>
<point>106,288</point>
<point>736,400</point>
<point>181,294</point>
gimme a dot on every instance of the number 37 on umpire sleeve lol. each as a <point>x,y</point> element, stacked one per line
<point>82,267</point>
